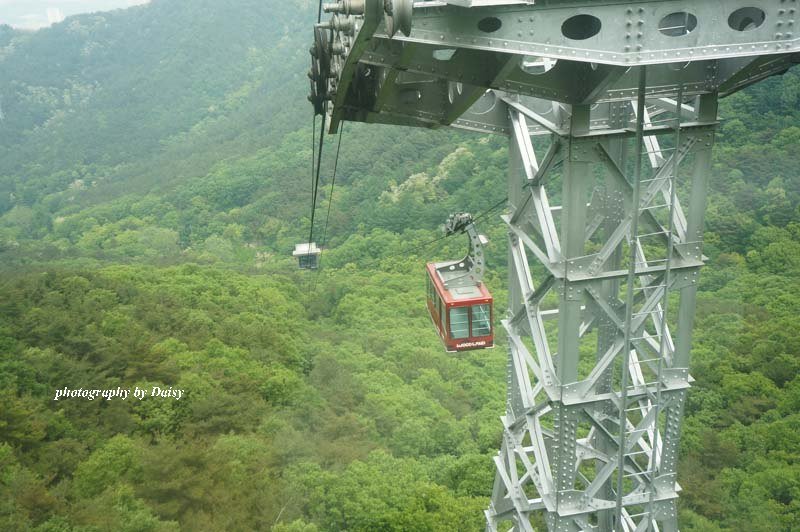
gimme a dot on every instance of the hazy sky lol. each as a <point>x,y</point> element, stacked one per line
<point>32,14</point>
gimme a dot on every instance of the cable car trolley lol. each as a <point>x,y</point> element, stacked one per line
<point>458,301</point>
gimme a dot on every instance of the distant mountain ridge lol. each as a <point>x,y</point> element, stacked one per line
<point>108,89</point>
<point>190,102</point>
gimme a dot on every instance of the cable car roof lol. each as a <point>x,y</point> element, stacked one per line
<point>459,293</point>
<point>306,249</point>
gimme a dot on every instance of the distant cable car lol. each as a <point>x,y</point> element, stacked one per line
<point>458,301</point>
<point>307,255</point>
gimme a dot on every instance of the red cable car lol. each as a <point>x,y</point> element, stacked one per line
<point>458,301</point>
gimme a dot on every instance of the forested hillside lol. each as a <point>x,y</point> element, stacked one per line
<point>155,173</point>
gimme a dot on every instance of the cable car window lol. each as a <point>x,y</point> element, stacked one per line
<point>442,308</point>
<point>481,320</point>
<point>459,322</point>
<point>308,261</point>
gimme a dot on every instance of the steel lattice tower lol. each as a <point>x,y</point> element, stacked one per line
<point>602,287</point>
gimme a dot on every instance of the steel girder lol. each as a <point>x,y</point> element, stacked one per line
<point>597,380</point>
<point>603,287</point>
<point>437,75</point>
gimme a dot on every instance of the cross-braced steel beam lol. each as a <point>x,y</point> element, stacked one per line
<point>597,377</point>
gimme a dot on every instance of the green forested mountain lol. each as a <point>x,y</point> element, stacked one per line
<point>154,175</point>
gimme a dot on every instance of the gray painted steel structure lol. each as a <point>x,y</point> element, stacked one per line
<point>467,272</point>
<point>626,92</point>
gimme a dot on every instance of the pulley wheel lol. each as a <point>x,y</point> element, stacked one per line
<point>322,49</point>
<point>398,16</point>
<point>320,70</point>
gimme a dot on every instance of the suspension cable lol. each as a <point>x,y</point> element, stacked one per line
<point>376,260</point>
<point>330,203</point>
<point>490,210</point>
<point>313,155</point>
<point>316,178</point>
<point>482,215</point>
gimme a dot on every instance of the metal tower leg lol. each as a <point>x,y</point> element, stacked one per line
<point>596,379</point>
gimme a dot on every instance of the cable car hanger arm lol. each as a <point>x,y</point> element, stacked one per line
<point>471,267</point>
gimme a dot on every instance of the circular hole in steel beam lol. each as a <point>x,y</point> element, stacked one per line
<point>489,24</point>
<point>581,27</point>
<point>746,19</point>
<point>677,24</point>
<point>485,103</point>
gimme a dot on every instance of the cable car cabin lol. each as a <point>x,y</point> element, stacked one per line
<point>462,315</point>
<point>459,303</point>
<point>307,255</point>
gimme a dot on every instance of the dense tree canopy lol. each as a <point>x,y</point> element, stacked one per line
<point>154,177</point>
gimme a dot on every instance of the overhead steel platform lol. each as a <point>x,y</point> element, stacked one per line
<point>433,66</point>
<point>626,92</point>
